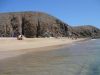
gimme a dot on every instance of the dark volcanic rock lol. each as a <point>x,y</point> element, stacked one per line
<point>31,24</point>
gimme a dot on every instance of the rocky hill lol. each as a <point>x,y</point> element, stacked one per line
<point>38,24</point>
<point>31,24</point>
<point>85,31</point>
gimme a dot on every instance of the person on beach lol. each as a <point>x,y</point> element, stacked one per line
<point>19,37</point>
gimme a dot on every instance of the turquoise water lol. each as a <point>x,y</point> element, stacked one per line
<point>82,58</point>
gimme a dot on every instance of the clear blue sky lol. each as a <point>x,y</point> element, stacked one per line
<point>73,12</point>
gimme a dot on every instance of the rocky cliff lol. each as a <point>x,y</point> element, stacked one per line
<point>38,24</point>
<point>31,24</point>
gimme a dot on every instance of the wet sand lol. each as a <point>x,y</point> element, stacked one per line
<point>76,59</point>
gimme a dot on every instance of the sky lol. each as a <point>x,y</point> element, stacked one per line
<point>72,12</point>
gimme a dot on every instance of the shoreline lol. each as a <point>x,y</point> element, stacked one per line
<point>10,47</point>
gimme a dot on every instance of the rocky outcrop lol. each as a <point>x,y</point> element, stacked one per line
<point>85,31</point>
<point>31,24</point>
<point>38,24</point>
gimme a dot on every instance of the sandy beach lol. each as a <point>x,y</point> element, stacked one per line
<point>10,47</point>
<point>76,58</point>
